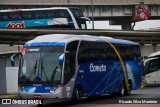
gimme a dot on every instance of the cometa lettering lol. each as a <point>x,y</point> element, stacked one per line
<point>97,68</point>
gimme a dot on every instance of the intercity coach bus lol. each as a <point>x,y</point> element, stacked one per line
<point>62,66</point>
<point>55,17</point>
<point>152,69</point>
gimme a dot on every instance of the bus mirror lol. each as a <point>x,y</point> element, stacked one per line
<point>86,18</point>
<point>12,59</point>
<point>67,52</point>
<point>61,59</point>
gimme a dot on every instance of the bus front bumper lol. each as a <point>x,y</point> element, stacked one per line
<point>38,96</point>
<point>50,95</point>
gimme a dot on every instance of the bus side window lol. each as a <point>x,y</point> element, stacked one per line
<point>76,12</point>
<point>4,16</point>
<point>0,17</point>
<point>83,54</point>
<point>95,51</point>
<point>40,14</point>
<point>28,15</point>
<point>154,65</point>
<point>63,14</point>
<point>136,55</point>
<point>15,16</point>
<point>52,14</point>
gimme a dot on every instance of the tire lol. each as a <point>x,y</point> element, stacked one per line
<point>78,93</point>
<point>126,91</point>
<point>122,90</point>
<point>129,88</point>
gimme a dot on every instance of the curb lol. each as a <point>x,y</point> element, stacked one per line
<point>142,86</point>
<point>8,96</point>
<point>11,96</point>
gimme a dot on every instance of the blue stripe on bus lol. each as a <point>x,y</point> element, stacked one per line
<point>45,44</point>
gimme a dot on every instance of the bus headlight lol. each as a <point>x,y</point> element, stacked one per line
<point>23,89</point>
<point>53,90</point>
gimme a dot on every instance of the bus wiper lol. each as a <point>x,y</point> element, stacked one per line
<point>35,67</point>
<point>43,70</point>
<point>33,70</point>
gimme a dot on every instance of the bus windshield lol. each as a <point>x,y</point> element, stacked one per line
<point>76,12</point>
<point>152,65</point>
<point>39,65</point>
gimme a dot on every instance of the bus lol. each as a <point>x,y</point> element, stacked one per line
<point>63,66</point>
<point>151,72</point>
<point>55,17</point>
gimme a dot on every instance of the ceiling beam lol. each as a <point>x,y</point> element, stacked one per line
<point>20,36</point>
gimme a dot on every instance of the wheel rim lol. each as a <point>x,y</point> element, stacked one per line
<point>129,89</point>
<point>122,90</point>
<point>77,94</point>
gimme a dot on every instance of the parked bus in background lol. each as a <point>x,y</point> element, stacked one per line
<point>61,66</point>
<point>55,17</point>
<point>152,69</point>
<point>81,20</point>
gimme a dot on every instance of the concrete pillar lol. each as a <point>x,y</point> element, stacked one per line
<point>154,47</point>
<point>142,51</point>
<point>126,25</point>
<point>115,22</point>
<point>3,81</point>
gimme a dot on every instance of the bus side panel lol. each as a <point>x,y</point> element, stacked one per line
<point>35,23</point>
<point>134,73</point>
<point>100,77</point>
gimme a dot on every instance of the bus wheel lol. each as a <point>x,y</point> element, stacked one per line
<point>122,89</point>
<point>78,93</point>
<point>129,88</point>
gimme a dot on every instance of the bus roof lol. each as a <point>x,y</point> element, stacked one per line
<point>34,9</point>
<point>62,39</point>
<point>149,59</point>
<point>154,54</point>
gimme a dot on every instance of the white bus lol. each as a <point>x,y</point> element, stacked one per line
<point>55,17</point>
<point>152,69</point>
